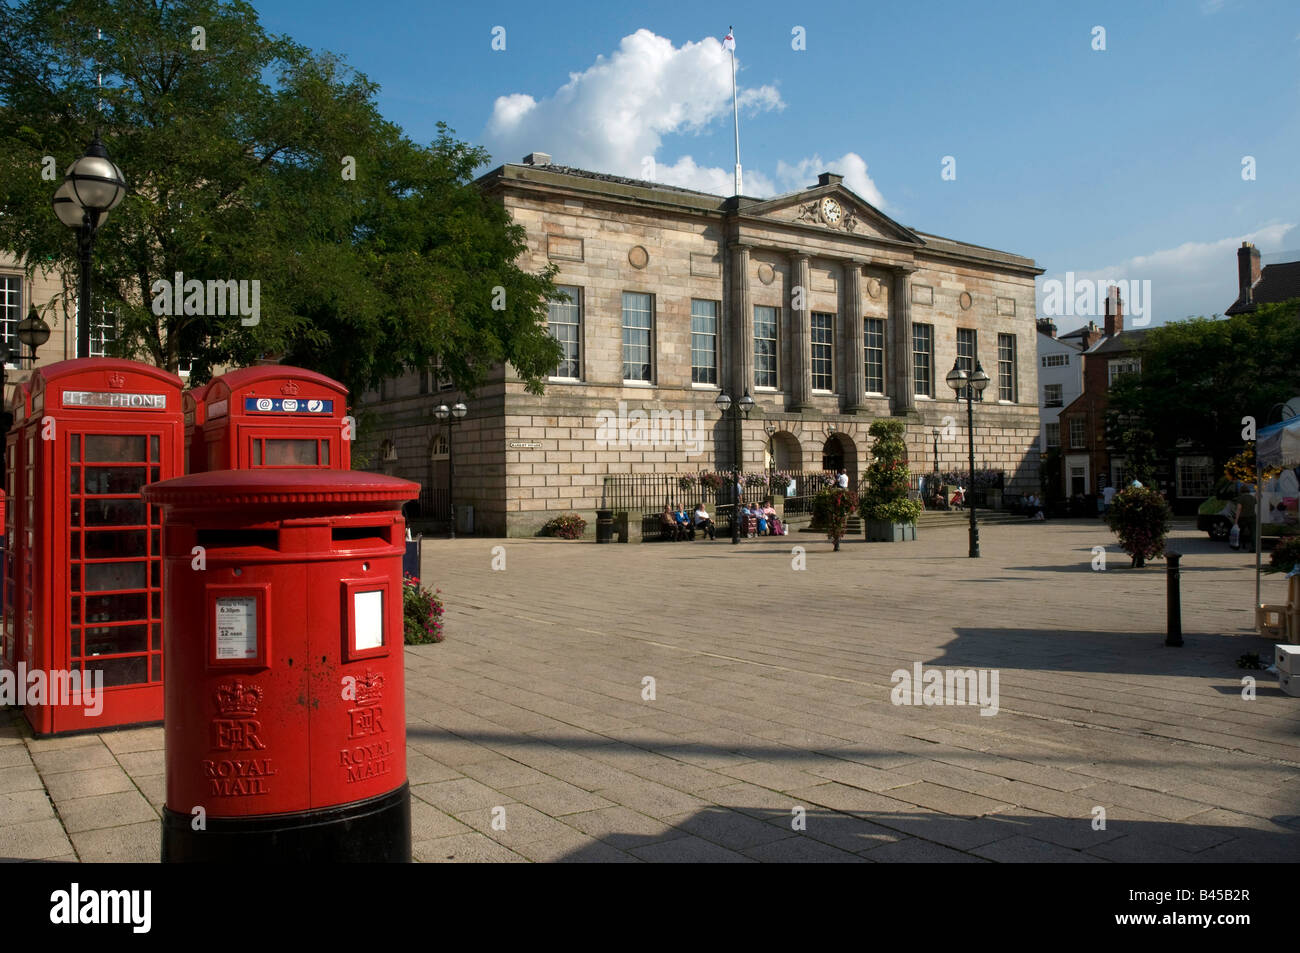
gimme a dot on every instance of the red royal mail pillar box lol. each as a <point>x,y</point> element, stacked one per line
<point>285,725</point>
<point>99,430</point>
<point>272,416</point>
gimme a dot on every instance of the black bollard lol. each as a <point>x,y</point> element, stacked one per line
<point>1173,608</point>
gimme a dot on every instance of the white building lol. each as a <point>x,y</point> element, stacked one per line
<point>1060,381</point>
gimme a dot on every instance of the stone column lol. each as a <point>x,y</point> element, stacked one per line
<point>741,326</point>
<point>851,342</point>
<point>901,319</point>
<point>800,333</point>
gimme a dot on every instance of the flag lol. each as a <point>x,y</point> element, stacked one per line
<point>728,41</point>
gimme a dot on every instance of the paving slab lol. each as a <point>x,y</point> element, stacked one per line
<point>105,810</point>
<point>133,843</point>
<point>34,840</point>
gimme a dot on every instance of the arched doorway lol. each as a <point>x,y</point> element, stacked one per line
<point>839,452</point>
<point>783,452</point>
<point>435,501</point>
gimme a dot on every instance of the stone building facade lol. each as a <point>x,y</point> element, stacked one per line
<point>826,311</point>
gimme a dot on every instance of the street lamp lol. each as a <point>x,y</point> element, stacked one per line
<point>92,187</point>
<point>938,479</point>
<point>968,387</point>
<point>33,332</point>
<point>743,406</point>
<point>771,455</point>
<point>450,416</point>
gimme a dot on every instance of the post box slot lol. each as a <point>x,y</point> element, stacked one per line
<point>358,534</point>
<point>238,538</point>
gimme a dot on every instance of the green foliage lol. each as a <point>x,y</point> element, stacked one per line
<point>898,511</point>
<point>422,613</point>
<point>235,156</point>
<point>1140,516</point>
<point>1285,555</point>
<point>888,477</point>
<point>1201,376</point>
<point>568,526</point>
<point>832,508</point>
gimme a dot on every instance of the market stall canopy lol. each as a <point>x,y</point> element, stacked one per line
<point>1279,444</point>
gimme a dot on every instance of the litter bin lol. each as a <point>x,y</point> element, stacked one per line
<point>604,526</point>
<point>284,710</point>
<point>411,558</point>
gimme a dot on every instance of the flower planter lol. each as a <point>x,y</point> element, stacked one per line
<point>883,531</point>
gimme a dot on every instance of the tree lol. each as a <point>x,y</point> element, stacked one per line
<point>888,478</point>
<point>1200,377</point>
<point>1140,516</point>
<point>251,158</point>
<point>832,508</point>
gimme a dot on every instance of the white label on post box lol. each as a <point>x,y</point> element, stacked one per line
<point>237,627</point>
<point>368,617</point>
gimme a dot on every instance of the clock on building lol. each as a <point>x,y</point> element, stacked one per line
<point>831,210</point>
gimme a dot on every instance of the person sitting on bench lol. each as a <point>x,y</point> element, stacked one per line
<point>702,521</point>
<point>684,525</point>
<point>773,523</point>
<point>669,521</point>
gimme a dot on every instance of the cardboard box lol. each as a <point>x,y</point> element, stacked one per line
<point>1289,683</point>
<point>1287,658</point>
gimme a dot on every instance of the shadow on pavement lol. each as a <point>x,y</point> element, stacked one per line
<point>841,827</point>
<point>1202,655</point>
<point>745,834</point>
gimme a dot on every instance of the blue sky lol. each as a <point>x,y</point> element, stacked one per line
<point>1124,162</point>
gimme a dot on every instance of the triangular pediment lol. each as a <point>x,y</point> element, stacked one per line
<point>834,208</point>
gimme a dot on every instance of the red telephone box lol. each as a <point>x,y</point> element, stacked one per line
<point>99,431</point>
<point>18,583</point>
<point>273,416</point>
<point>196,456</point>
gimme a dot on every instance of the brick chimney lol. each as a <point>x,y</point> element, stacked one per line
<point>830,178</point>
<point>1114,312</point>
<point>1047,326</point>
<point>537,158</point>
<point>1247,271</point>
<point>1091,335</point>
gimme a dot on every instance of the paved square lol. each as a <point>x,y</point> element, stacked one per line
<point>771,735</point>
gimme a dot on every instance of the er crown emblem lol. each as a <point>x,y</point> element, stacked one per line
<point>116,381</point>
<point>289,389</point>
<point>237,700</point>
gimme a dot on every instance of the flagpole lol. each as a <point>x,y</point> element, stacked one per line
<point>735,109</point>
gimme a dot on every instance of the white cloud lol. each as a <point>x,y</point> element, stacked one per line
<point>616,113</point>
<point>852,166</point>
<point>614,116</point>
<point>1194,278</point>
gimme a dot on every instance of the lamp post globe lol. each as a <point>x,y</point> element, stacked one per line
<point>33,332</point>
<point>97,183</point>
<point>91,187</point>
